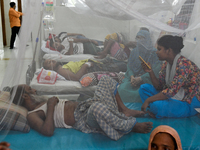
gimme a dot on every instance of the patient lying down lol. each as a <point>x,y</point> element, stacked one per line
<point>75,70</point>
<point>104,113</point>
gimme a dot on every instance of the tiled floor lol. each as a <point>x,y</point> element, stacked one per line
<point>5,55</point>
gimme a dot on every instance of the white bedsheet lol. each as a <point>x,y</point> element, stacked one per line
<point>67,58</point>
<point>68,87</point>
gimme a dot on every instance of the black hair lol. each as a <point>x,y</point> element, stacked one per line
<point>51,43</point>
<point>144,28</point>
<point>173,42</point>
<point>173,139</point>
<point>12,4</point>
<point>18,97</point>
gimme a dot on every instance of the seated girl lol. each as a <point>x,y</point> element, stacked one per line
<point>176,93</point>
<point>135,76</point>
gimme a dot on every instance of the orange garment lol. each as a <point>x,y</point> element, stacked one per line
<point>14,17</point>
<point>166,129</point>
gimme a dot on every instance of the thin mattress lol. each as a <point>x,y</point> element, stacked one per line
<point>188,129</point>
<point>61,86</point>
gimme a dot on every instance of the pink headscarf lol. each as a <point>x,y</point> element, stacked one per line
<point>165,129</point>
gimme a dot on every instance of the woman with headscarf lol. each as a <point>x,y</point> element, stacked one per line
<point>164,137</point>
<point>135,76</point>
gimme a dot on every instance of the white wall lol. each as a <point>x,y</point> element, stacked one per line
<point>91,26</point>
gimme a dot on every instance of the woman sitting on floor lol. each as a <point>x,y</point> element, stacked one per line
<point>176,92</point>
<point>164,137</point>
<point>135,75</point>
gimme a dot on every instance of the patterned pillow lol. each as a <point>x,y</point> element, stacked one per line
<point>93,78</point>
<point>13,118</point>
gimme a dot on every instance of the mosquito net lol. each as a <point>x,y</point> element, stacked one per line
<point>76,42</point>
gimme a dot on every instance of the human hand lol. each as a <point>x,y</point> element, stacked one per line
<point>136,81</point>
<point>4,146</point>
<point>70,39</point>
<point>52,101</point>
<point>144,106</point>
<point>145,68</point>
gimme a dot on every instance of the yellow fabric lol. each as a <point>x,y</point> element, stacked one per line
<point>74,66</point>
<point>114,37</point>
<point>14,17</point>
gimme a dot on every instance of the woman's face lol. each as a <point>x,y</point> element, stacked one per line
<point>163,141</point>
<point>161,53</point>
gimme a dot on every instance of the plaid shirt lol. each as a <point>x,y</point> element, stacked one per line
<point>104,107</point>
<point>187,76</point>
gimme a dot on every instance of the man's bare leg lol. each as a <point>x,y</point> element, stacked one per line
<point>128,112</point>
<point>144,127</point>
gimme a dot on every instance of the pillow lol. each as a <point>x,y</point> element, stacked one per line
<point>93,78</point>
<point>47,77</point>
<point>13,120</point>
<point>12,116</point>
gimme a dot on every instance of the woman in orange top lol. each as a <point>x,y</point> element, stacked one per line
<point>14,22</point>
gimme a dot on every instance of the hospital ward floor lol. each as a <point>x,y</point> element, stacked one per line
<point>5,55</point>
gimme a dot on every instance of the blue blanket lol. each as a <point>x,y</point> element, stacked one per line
<point>70,139</point>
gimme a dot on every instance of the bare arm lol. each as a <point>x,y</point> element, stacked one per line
<point>74,34</point>
<point>157,97</point>
<point>70,75</point>
<point>71,49</point>
<point>44,125</point>
<point>84,41</point>
<point>131,44</point>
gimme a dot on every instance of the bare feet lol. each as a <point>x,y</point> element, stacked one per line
<point>133,113</point>
<point>100,56</point>
<point>95,42</point>
<point>144,127</point>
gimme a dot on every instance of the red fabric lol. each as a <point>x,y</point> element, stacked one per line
<point>48,46</point>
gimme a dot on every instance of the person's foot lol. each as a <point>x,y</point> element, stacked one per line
<point>100,56</point>
<point>95,42</point>
<point>144,127</point>
<point>133,113</point>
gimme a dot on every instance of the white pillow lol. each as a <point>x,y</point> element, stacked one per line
<point>59,76</point>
